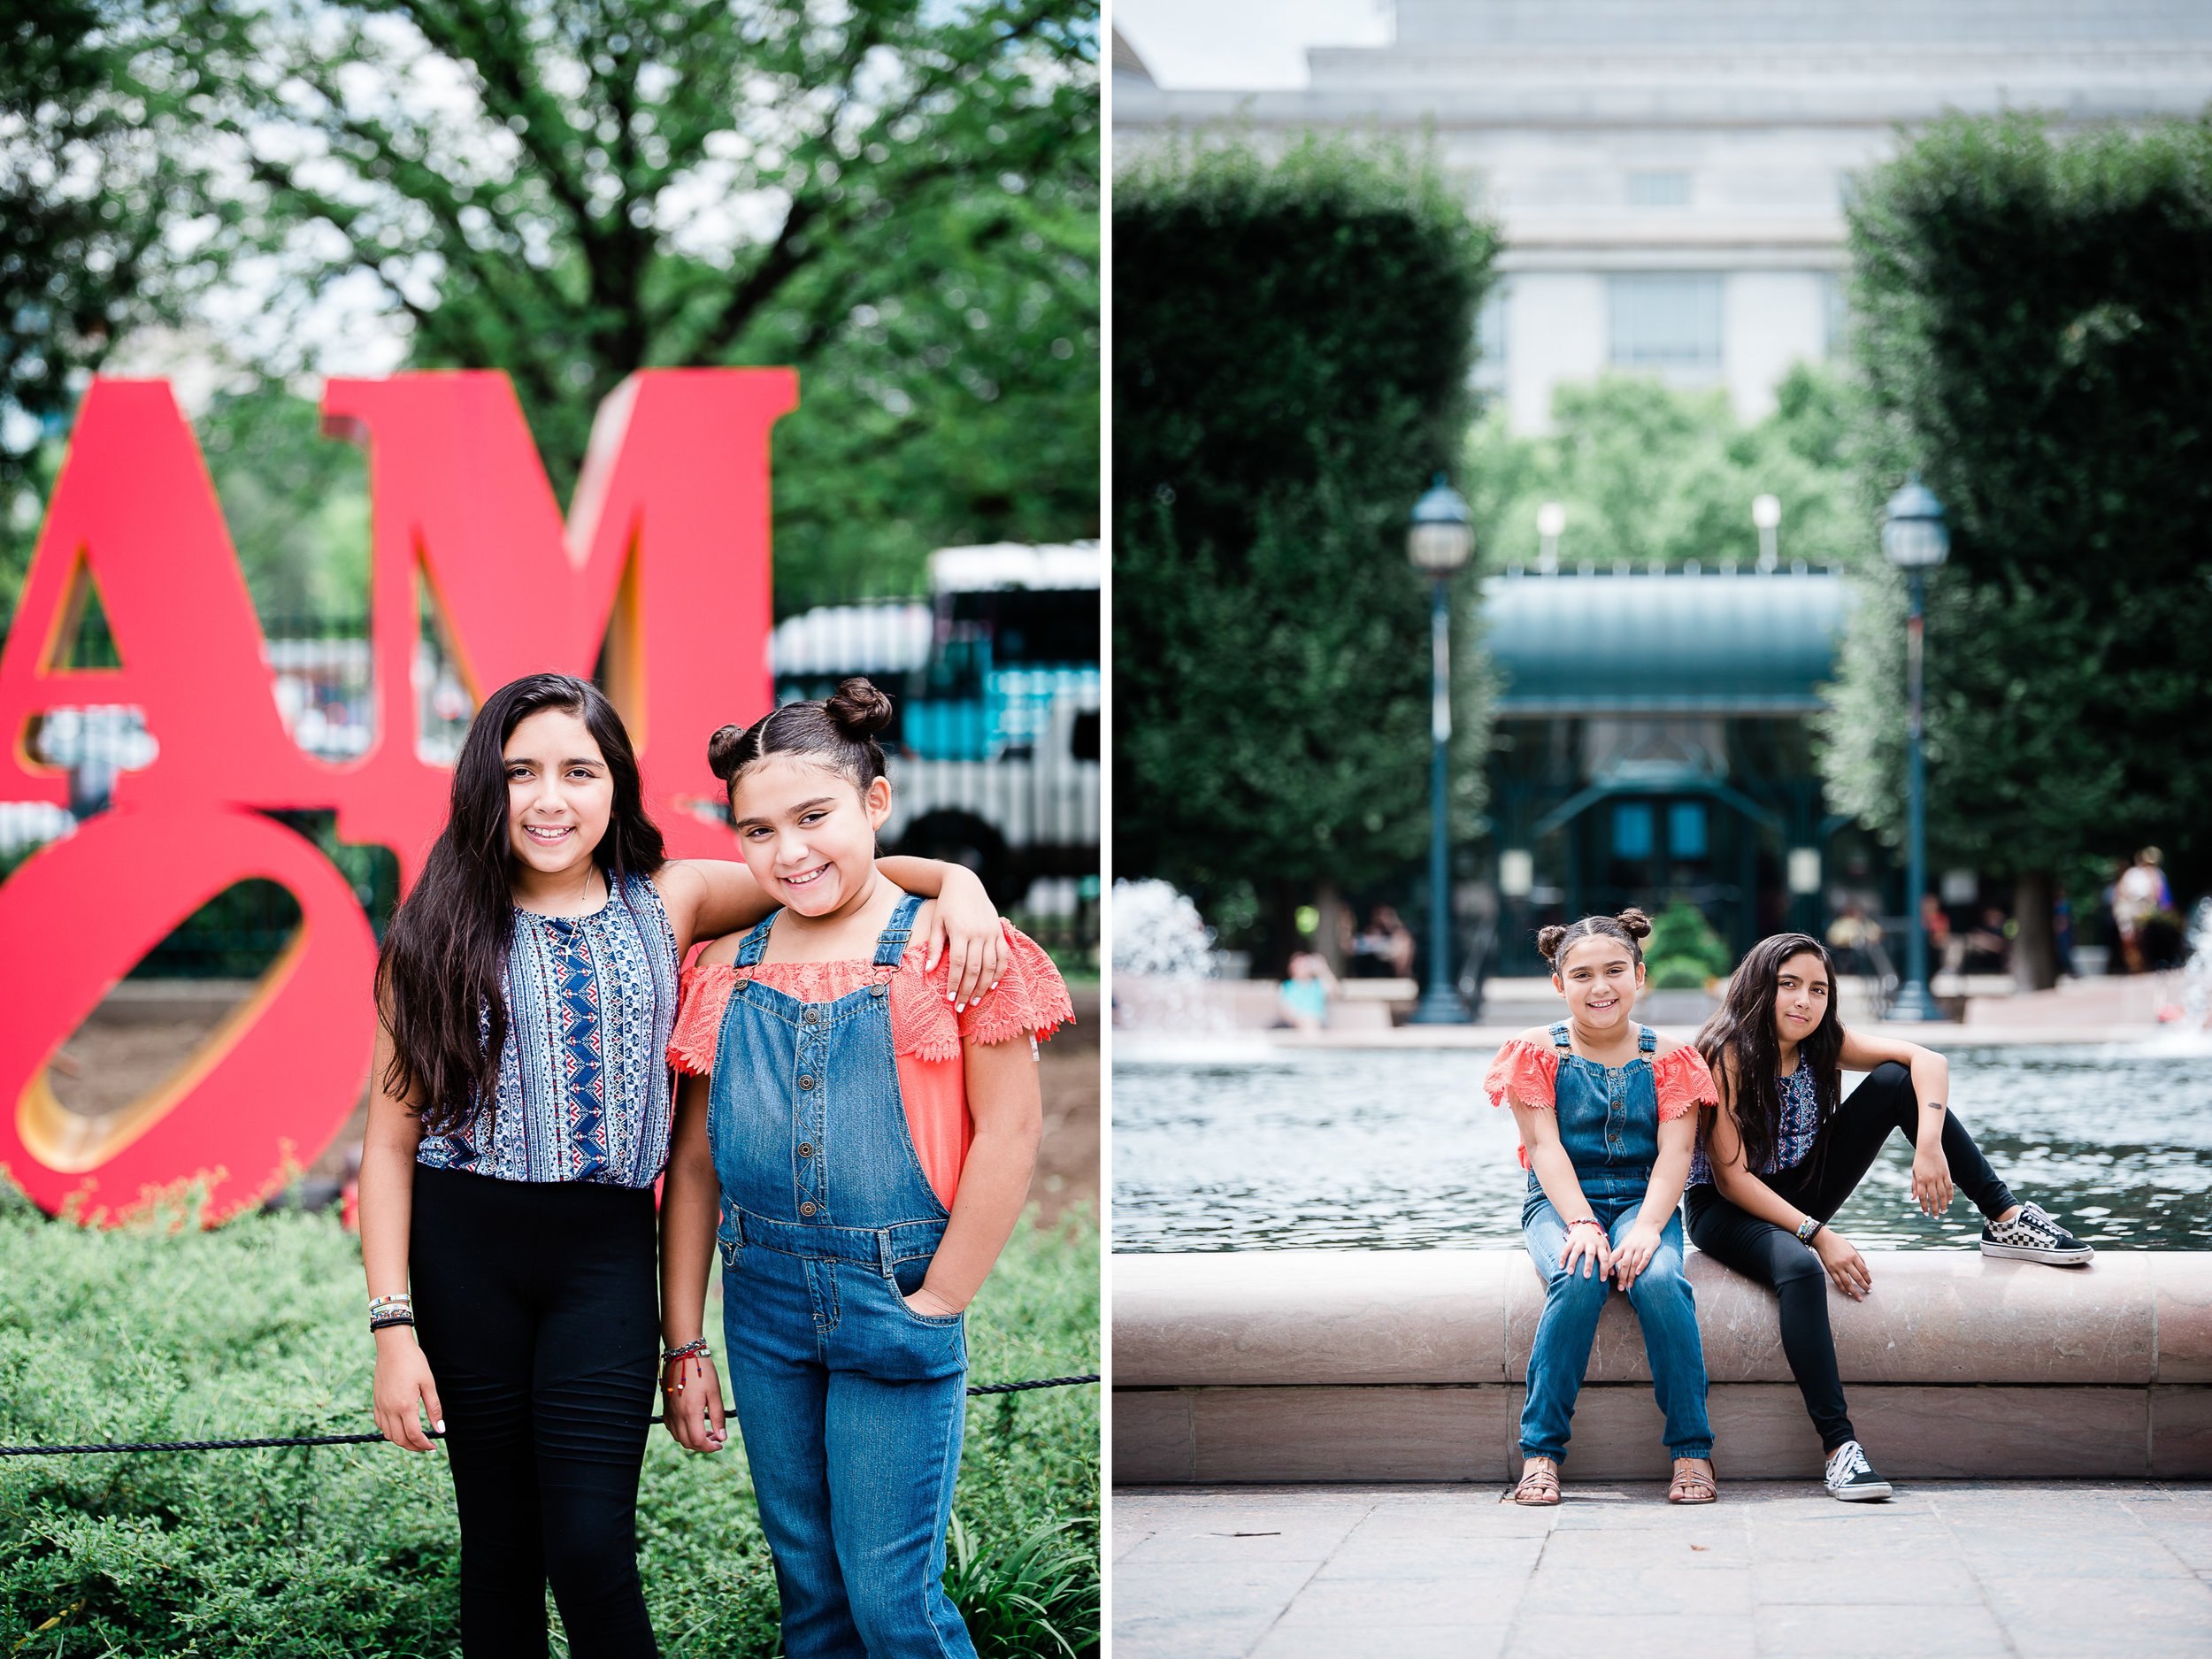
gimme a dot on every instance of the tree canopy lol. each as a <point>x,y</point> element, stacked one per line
<point>899,198</point>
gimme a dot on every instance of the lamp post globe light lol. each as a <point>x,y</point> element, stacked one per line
<point>1915,540</point>
<point>1438,540</point>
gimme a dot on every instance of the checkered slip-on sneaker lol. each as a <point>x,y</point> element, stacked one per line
<point>2033,1236</point>
<point>1851,1478</point>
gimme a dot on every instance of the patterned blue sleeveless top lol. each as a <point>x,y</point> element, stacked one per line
<point>1800,1123</point>
<point>583,1073</point>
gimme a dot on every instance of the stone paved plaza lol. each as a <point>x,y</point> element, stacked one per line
<point>1972,1569</point>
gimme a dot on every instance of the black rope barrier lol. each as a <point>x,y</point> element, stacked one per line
<point>364,1440</point>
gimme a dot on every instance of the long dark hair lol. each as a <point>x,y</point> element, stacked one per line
<point>438,975</point>
<point>1743,1027</point>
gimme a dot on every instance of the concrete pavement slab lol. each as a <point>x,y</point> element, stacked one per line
<point>1980,1568</point>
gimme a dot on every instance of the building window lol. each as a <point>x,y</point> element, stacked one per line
<point>1685,830</point>
<point>1658,189</point>
<point>1666,321</point>
<point>1490,340</point>
<point>1835,317</point>
<point>1632,829</point>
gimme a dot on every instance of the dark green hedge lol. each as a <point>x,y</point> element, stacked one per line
<point>1291,340</point>
<point>143,1333</point>
<point>2034,322</point>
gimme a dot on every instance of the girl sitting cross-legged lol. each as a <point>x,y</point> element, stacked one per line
<point>1608,1121</point>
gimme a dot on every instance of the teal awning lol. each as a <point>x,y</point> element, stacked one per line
<point>1677,643</point>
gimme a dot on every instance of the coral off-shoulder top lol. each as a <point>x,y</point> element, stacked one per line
<point>1528,1072</point>
<point>926,1035</point>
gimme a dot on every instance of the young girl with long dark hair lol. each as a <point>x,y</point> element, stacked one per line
<point>1785,1148</point>
<point>859,1150</point>
<point>1608,1119</point>
<point>520,1117</point>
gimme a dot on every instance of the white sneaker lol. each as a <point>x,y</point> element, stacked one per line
<point>1851,1478</point>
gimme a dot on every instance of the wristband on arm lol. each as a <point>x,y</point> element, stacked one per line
<point>1807,1227</point>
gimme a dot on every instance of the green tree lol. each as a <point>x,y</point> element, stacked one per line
<point>900,199</point>
<point>83,190</point>
<point>1650,474</point>
<point>2036,336</point>
<point>1292,344</point>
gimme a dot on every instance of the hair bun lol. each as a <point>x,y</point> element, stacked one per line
<point>722,751</point>
<point>1548,942</point>
<point>1634,923</point>
<point>859,708</point>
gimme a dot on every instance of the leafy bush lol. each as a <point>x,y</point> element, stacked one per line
<point>1683,951</point>
<point>158,1331</point>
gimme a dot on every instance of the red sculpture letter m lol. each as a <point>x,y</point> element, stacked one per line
<point>665,563</point>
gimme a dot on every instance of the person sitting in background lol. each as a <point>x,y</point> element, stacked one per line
<point>2139,893</point>
<point>1946,947</point>
<point>1389,941</point>
<point>1988,947</point>
<point>1303,1001</point>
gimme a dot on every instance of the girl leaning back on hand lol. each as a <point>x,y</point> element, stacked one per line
<point>1785,1148</point>
<point>519,1115</point>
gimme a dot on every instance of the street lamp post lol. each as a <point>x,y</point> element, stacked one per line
<point>1915,539</point>
<point>1438,541</point>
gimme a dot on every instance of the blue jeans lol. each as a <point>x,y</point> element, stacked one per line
<point>850,1404</point>
<point>853,1460</point>
<point>1665,1308</point>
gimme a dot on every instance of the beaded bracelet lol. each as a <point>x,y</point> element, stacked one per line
<point>695,1351</point>
<point>1588,1221</point>
<point>401,1304</point>
<point>385,1321</point>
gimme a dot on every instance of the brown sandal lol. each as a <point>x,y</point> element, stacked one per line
<point>1691,1485</point>
<point>1539,1483</point>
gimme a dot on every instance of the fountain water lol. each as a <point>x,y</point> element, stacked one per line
<point>1169,997</point>
<point>2186,1032</point>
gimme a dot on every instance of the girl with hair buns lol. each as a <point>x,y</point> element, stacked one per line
<point>1608,1119</point>
<point>519,1118</point>
<point>857,1148</point>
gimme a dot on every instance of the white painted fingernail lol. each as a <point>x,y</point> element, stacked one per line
<point>438,1426</point>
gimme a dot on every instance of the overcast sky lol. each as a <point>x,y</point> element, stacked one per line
<point>1245,44</point>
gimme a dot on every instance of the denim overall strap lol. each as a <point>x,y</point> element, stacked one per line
<point>891,945</point>
<point>1559,1037</point>
<point>1646,1040</point>
<point>750,949</point>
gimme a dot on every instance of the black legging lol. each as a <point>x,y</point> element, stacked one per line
<point>1818,1184</point>
<point>538,1307</point>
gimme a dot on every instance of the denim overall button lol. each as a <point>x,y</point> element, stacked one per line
<point>813,1016</point>
<point>877,989</point>
<point>806,1148</point>
<point>807,1209</point>
<point>806,1080</point>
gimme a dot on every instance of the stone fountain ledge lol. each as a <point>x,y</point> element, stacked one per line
<point>1375,1365</point>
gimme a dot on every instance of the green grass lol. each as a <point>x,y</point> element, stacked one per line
<point>160,1330</point>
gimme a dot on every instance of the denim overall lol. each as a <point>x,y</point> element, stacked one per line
<point>851,1405</point>
<point>1608,1123</point>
